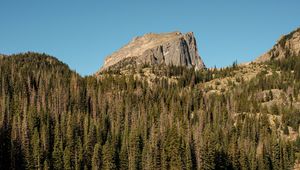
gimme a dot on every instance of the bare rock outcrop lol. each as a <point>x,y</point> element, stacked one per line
<point>172,48</point>
<point>287,45</point>
<point>2,56</point>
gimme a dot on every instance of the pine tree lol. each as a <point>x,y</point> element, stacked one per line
<point>46,165</point>
<point>96,160</point>
<point>135,152</point>
<point>67,158</point>
<point>207,151</point>
<point>244,161</point>
<point>172,154</point>
<point>275,154</point>
<point>57,155</point>
<point>36,149</point>
<point>108,153</point>
<point>26,146</point>
<point>78,155</point>
<point>124,157</point>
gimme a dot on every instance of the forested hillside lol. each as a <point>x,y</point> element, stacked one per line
<point>52,118</point>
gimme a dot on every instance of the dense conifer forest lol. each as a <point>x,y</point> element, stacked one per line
<point>53,118</point>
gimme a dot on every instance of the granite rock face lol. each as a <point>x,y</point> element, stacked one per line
<point>172,48</point>
<point>287,45</point>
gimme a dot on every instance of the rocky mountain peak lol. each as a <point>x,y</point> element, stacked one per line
<point>287,45</point>
<point>172,48</point>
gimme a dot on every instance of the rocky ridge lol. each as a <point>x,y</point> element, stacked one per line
<point>172,48</point>
<point>287,45</point>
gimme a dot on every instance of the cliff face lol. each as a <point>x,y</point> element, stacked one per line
<point>172,48</point>
<point>287,45</point>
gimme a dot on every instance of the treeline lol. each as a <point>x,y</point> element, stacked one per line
<point>52,118</point>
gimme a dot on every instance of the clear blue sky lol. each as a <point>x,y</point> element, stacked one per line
<point>81,33</point>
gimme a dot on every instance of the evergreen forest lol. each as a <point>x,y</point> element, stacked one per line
<point>53,118</point>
